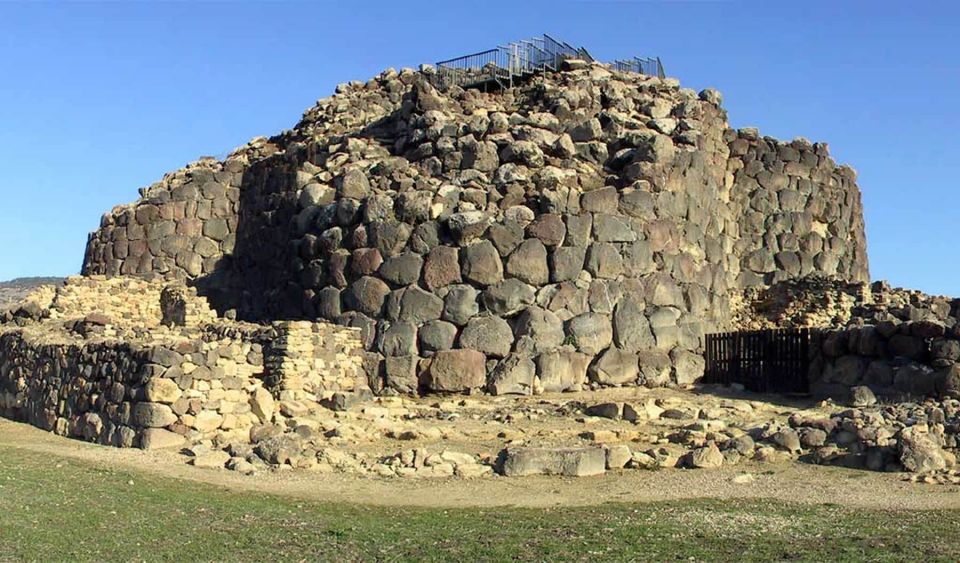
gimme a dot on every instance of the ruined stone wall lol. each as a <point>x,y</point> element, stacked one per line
<point>120,301</point>
<point>894,359</point>
<point>799,213</point>
<point>587,228</point>
<point>98,363</point>
<point>309,361</point>
<point>182,227</point>
<point>128,394</point>
<point>214,386</point>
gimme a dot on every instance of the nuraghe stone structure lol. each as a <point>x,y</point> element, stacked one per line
<point>586,228</point>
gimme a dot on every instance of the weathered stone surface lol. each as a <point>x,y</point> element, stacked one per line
<point>151,415</point>
<point>571,462</point>
<point>490,335</point>
<point>457,371</point>
<point>366,295</point>
<point>481,263</point>
<point>442,267</point>
<point>538,330</point>
<point>618,456</point>
<point>549,229</point>
<point>513,375</point>
<point>604,260</point>
<point>631,327</point>
<point>566,263</point>
<point>591,332</point>
<point>529,263</point>
<point>437,335</point>
<point>919,453</point>
<point>508,297</point>
<point>353,184</point>
<point>279,450</point>
<point>615,367</point>
<point>460,304</point>
<point>419,306</point>
<point>404,269</point>
<point>162,391</point>
<point>467,227</point>
<point>603,200</point>
<point>365,261</point>
<point>689,366</point>
<point>160,439</point>
<point>401,373</point>
<point>399,339</point>
<point>262,404</point>
<point>708,457</point>
<point>562,370</point>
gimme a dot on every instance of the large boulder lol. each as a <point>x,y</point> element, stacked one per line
<point>631,327</point>
<point>151,415</point>
<point>481,263</point>
<point>508,297</point>
<point>707,457</point>
<point>442,267</point>
<point>615,367</point>
<point>919,452</point>
<point>460,304</point>
<point>591,332</point>
<point>529,263</point>
<point>366,295</point>
<point>490,335</point>
<point>418,306</point>
<point>538,330</point>
<point>562,370</point>
<point>457,371</point>
<point>514,375</point>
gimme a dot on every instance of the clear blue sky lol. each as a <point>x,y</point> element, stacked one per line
<point>97,100</point>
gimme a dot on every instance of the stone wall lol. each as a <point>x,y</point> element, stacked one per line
<point>585,229</point>
<point>121,301</point>
<point>799,213</point>
<point>182,227</point>
<point>894,359</point>
<point>136,382</point>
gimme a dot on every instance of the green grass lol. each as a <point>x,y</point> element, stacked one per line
<point>52,510</point>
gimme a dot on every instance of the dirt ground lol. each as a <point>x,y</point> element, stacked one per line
<point>790,480</point>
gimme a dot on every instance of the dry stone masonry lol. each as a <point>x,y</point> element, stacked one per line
<point>103,364</point>
<point>584,229</point>
<point>581,231</point>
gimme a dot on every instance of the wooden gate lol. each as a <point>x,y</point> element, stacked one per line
<point>764,361</point>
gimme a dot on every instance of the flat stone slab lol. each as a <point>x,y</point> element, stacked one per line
<point>572,462</point>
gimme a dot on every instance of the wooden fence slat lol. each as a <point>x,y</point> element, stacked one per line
<point>776,360</point>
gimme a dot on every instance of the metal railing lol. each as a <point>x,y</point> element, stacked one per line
<point>646,65</point>
<point>506,64</point>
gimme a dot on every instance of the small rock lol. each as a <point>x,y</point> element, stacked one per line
<point>211,460</point>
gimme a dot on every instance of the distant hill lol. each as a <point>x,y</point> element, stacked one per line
<point>14,290</point>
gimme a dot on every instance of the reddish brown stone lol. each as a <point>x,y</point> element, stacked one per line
<point>365,261</point>
<point>442,267</point>
<point>457,371</point>
<point>549,229</point>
